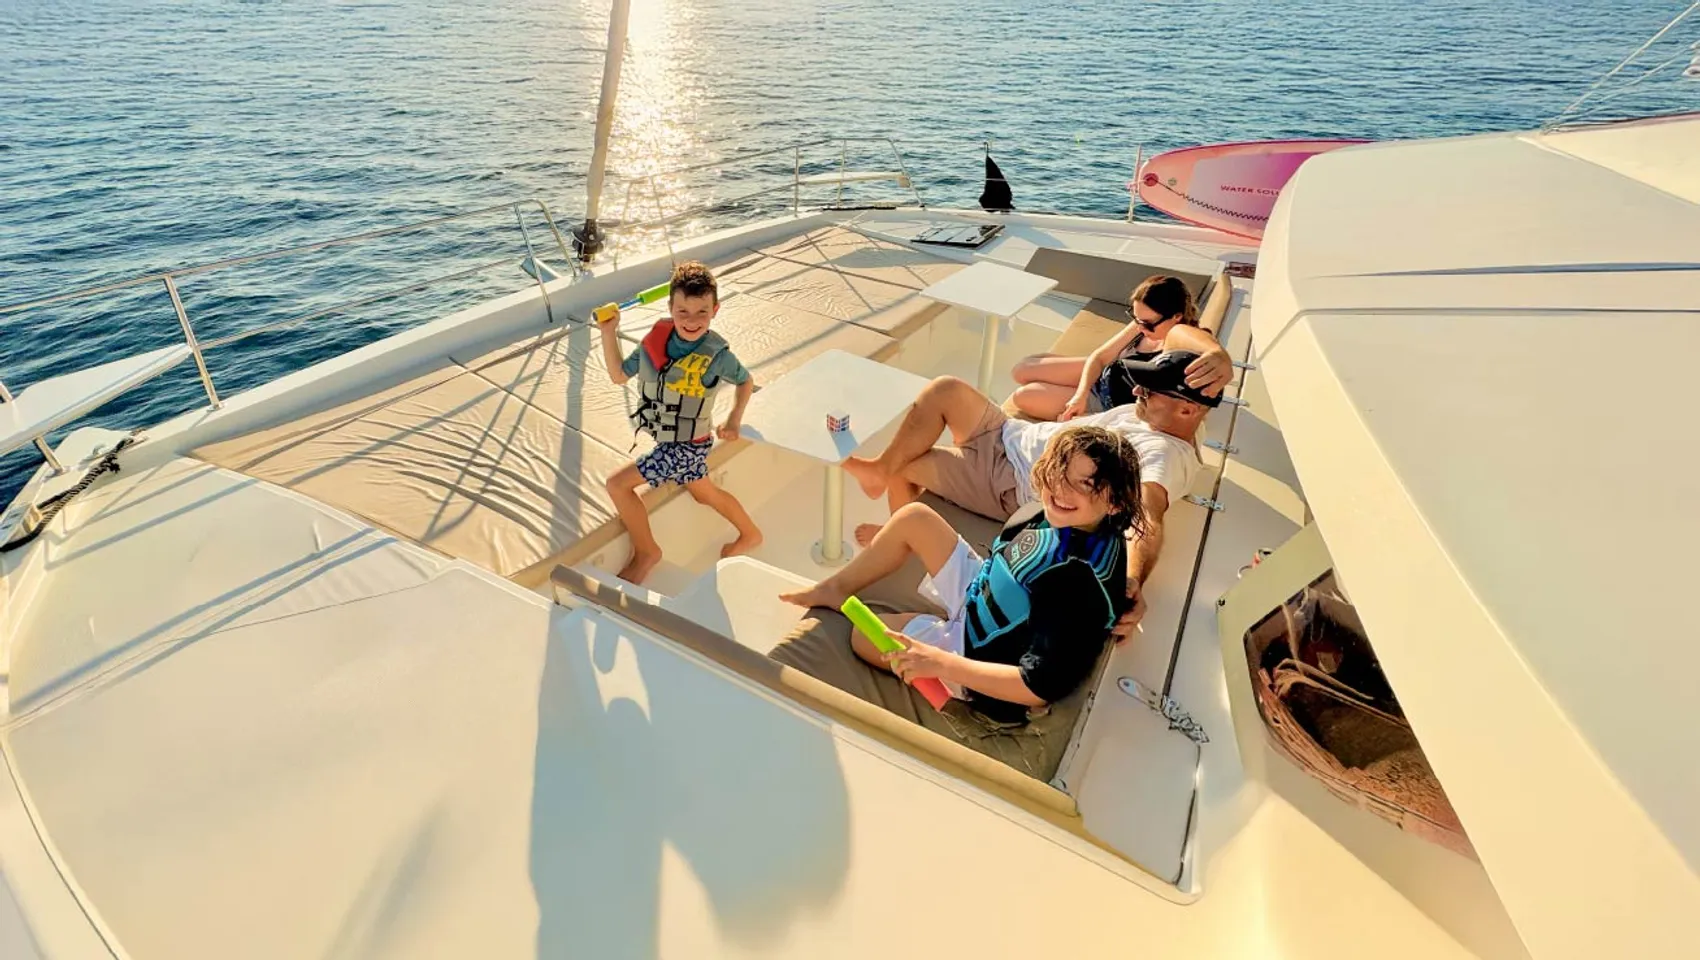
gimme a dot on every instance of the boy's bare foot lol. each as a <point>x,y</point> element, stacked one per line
<point>742,545</point>
<point>822,594</point>
<point>868,476</point>
<point>865,533</point>
<point>639,566</point>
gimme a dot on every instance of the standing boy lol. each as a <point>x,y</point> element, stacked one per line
<point>679,367</point>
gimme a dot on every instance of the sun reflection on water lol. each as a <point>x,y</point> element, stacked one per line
<point>656,117</point>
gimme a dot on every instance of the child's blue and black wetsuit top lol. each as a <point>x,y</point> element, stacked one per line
<point>1044,602</point>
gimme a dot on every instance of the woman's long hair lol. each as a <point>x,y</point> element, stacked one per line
<point>1168,296</point>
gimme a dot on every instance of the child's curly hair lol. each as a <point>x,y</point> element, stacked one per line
<point>693,279</point>
<point>1115,471</point>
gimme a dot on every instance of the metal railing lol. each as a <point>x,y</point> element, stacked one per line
<point>197,349</point>
<point>635,185</point>
<point>795,184</point>
<point>1585,109</point>
<point>647,190</point>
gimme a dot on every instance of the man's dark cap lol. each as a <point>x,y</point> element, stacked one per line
<point>1166,373</point>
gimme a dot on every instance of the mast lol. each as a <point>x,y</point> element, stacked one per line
<point>588,239</point>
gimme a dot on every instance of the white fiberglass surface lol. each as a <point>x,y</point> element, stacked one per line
<point>1447,444</point>
<point>44,406</point>
<point>457,769</point>
<point>165,556</point>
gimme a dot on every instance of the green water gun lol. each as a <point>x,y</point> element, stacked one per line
<point>609,311</point>
<point>874,629</point>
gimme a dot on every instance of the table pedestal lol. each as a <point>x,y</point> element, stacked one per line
<point>988,353</point>
<point>792,412</point>
<point>831,550</point>
<point>994,291</point>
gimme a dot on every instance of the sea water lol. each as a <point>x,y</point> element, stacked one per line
<point>139,135</point>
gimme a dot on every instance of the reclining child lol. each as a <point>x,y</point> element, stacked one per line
<point>1026,625</point>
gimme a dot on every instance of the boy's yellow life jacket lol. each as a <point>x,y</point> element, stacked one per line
<point>675,403</point>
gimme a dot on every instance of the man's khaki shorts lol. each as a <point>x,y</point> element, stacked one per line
<point>976,475</point>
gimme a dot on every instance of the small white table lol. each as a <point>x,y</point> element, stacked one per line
<point>995,291</point>
<point>791,413</point>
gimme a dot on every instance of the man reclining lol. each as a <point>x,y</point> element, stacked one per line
<point>987,468</point>
<point>1026,625</point>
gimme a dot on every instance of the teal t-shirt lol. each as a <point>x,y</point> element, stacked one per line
<point>724,366</point>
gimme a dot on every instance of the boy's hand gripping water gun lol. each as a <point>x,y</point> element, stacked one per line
<point>874,629</point>
<point>611,311</point>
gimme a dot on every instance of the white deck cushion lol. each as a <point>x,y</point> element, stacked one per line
<point>239,551</point>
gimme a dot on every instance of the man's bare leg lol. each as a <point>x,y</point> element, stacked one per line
<point>947,402</point>
<point>915,530</point>
<point>901,490</point>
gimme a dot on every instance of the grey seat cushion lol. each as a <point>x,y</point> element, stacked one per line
<point>820,646</point>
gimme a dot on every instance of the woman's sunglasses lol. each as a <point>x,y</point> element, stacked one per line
<point>1147,327</point>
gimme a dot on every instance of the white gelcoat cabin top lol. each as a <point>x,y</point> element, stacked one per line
<point>1481,352</point>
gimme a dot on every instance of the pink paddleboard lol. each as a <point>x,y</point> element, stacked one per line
<point>1229,187</point>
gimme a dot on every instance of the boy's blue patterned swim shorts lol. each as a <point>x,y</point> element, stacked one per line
<point>675,461</point>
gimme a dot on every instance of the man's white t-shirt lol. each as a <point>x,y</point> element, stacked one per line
<point>1163,459</point>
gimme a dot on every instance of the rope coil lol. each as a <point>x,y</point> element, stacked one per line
<point>108,463</point>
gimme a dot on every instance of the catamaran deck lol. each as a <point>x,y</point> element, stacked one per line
<point>320,740</point>
<point>500,457</point>
<point>345,724</point>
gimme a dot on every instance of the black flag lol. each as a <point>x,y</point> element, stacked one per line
<point>997,195</point>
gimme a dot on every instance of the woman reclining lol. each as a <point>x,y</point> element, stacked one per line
<point>1161,316</point>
